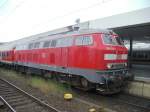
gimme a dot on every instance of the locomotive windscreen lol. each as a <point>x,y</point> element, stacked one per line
<point>112,40</point>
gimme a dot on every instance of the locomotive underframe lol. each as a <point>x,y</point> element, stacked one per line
<point>107,82</point>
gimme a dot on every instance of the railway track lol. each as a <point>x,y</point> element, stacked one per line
<point>20,101</point>
<point>5,106</point>
<point>143,104</point>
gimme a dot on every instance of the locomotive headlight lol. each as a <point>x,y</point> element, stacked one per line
<point>109,66</point>
<point>125,64</point>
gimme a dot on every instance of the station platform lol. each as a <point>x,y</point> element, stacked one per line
<point>140,86</point>
<point>142,79</point>
<point>141,70</point>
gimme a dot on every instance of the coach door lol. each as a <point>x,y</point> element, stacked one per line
<point>66,45</point>
<point>64,56</point>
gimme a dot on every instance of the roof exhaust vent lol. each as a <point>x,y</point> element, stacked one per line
<point>76,28</point>
<point>73,28</point>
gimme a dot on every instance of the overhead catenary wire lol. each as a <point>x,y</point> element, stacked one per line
<point>19,4</point>
<point>75,11</point>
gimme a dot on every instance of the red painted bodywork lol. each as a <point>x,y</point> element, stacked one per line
<point>87,57</point>
<point>7,56</point>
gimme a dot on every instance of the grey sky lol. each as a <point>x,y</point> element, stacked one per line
<point>21,18</point>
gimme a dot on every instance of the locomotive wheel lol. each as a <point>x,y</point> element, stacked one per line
<point>84,83</point>
<point>48,75</point>
<point>28,71</point>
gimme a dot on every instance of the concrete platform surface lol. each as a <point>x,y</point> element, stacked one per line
<point>140,70</point>
<point>142,79</point>
<point>139,88</point>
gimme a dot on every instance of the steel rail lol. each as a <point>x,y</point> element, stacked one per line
<point>139,106</point>
<point>115,99</point>
<point>123,101</point>
<point>8,105</point>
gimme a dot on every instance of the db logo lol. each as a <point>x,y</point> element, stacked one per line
<point>118,56</point>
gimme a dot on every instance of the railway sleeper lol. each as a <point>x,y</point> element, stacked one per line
<point>14,97</point>
<point>16,100</point>
<point>6,90</point>
<point>3,87</point>
<point>25,102</point>
<point>9,94</point>
<point>27,106</point>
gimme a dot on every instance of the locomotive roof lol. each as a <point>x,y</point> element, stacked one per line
<point>48,35</point>
<point>71,33</point>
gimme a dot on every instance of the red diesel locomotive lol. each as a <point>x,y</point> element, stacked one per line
<point>86,59</point>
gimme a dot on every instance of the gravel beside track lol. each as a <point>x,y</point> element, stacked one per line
<point>120,102</point>
<point>116,103</point>
<point>54,99</point>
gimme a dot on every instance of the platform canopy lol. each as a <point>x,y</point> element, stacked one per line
<point>134,24</point>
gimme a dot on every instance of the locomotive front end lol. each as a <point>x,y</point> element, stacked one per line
<point>114,73</point>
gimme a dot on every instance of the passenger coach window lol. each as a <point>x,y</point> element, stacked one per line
<point>87,40</point>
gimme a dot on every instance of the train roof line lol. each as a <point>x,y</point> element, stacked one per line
<point>76,32</point>
<point>46,35</point>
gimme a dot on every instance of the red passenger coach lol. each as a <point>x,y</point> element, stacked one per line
<point>7,56</point>
<point>86,58</point>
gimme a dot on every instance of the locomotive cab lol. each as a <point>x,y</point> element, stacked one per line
<point>114,52</point>
<point>113,63</point>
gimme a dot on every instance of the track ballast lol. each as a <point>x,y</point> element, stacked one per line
<point>21,101</point>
